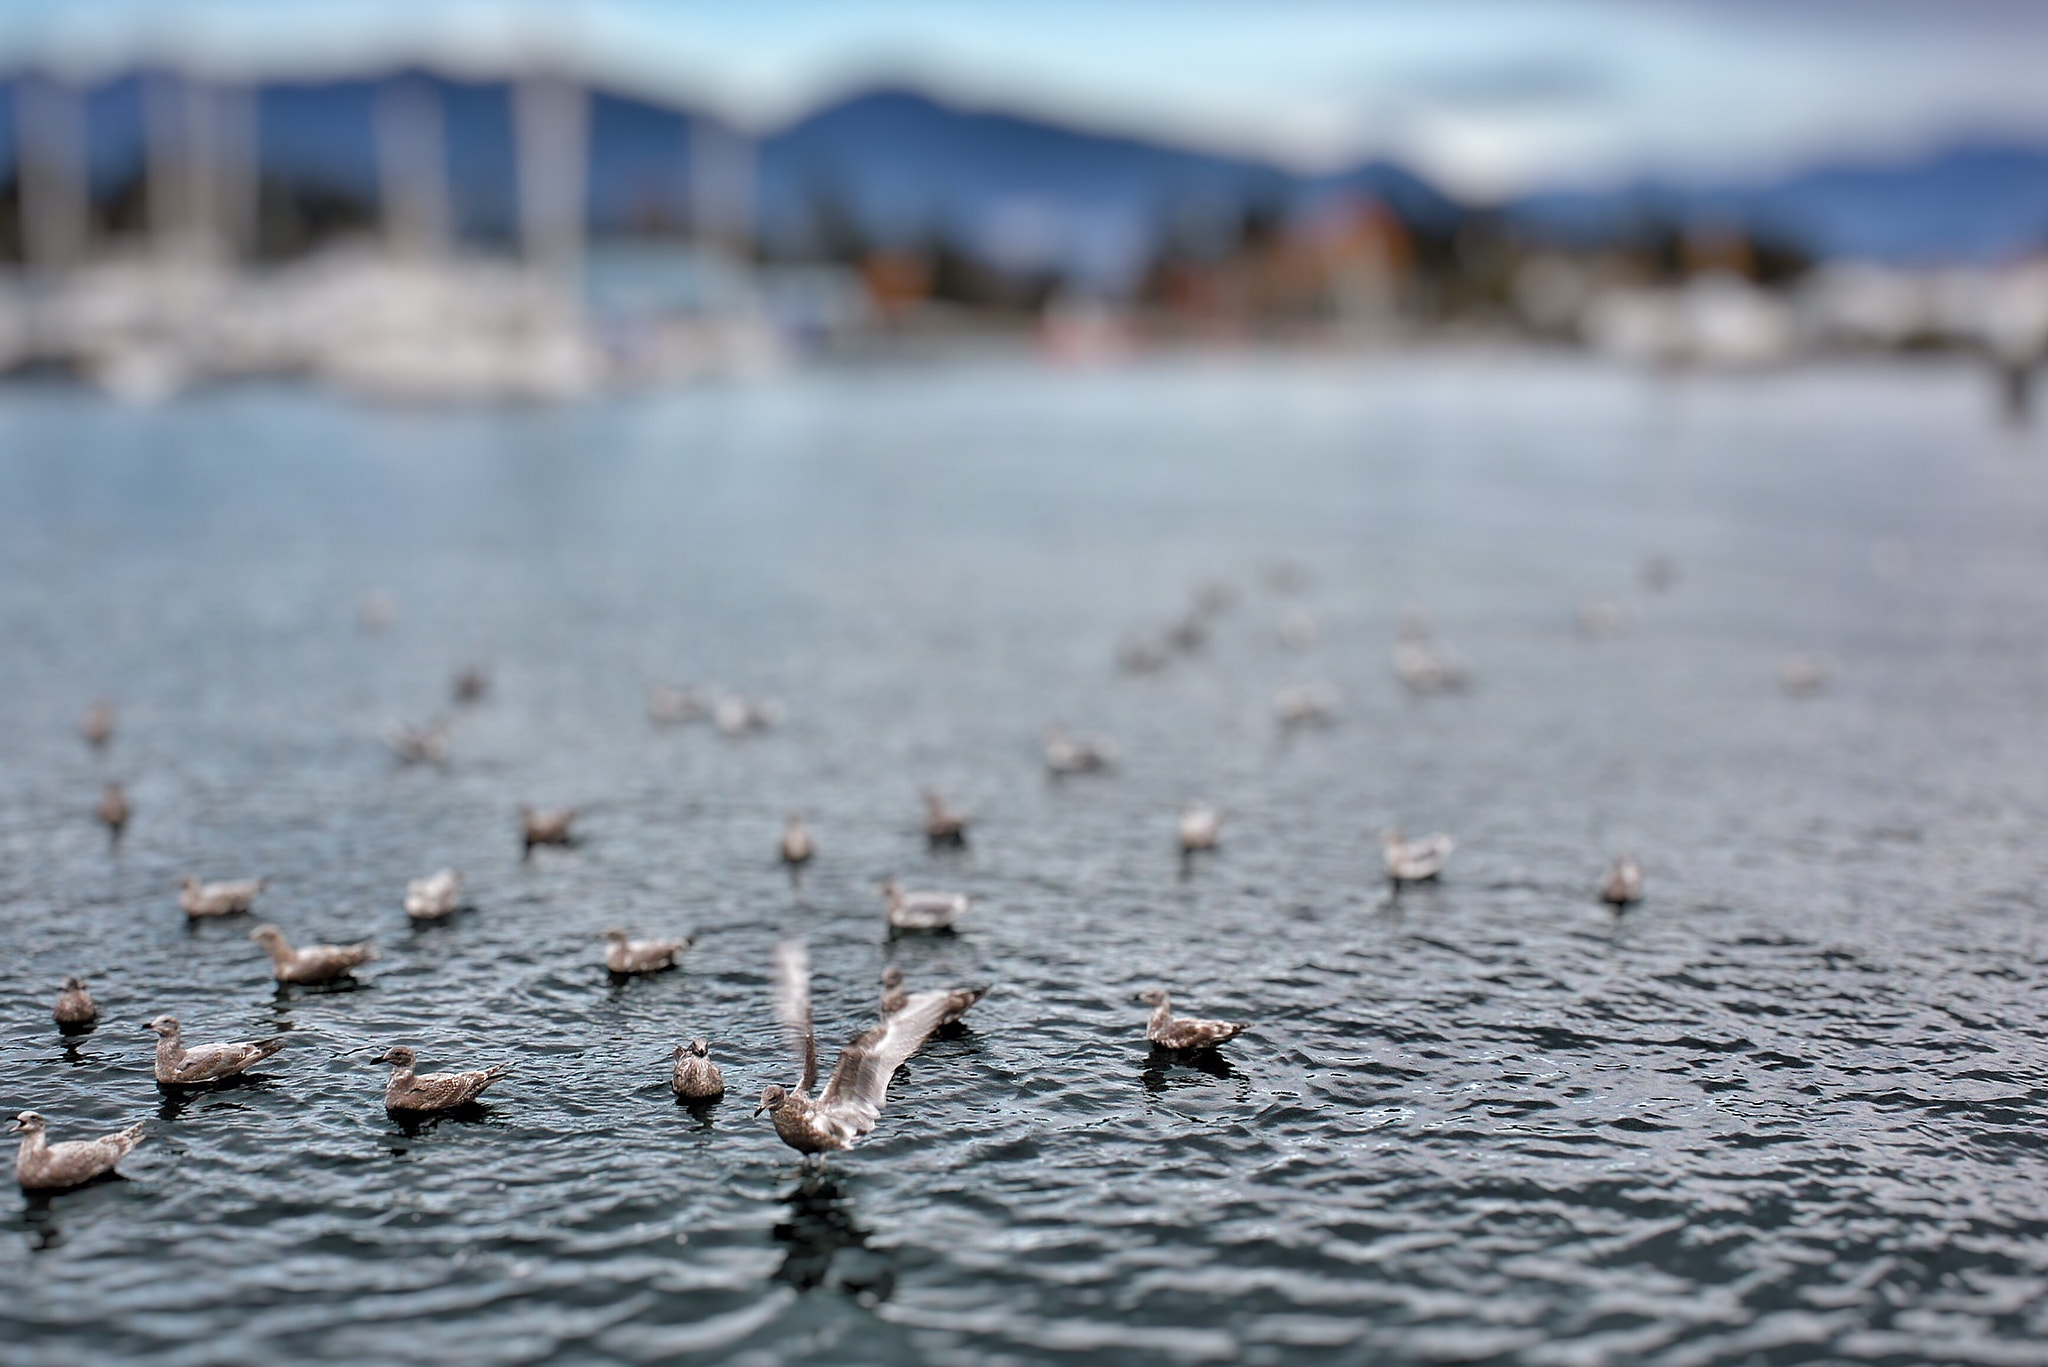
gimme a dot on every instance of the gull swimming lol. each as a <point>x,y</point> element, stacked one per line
<point>415,1093</point>
<point>1186,1032</point>
<point>1139,656</point>
<point>113,809</point>
<point>943,825</point>
<point>1070,754</point>
<point>737,716</point>
<point>1423,668</point>
<point>1200,827</point>
<point>797,846</point>
<point>43,1166</point>
<point>549,827</point>
<point>1299,630</point>
<point>893,995</point>
<point>435,896</point>
<point>1624,883</point>
<point>314,963</point>
<point>177,1066</point>
<point>1415,861</point>
<point>471,685</point>
<point>668,705</point>
<point>853,1097</point>
<point>1602,619</point>
<point>696,1077</point>
<point>1306,704</point>
<point>97,725</point>
<point>75,1005</point>
<point>920,910</point>
<point>227,898</point>
<point>623,954</point>
<point>1802,675</point>
<point>418,744</point>
<point>958,999</point>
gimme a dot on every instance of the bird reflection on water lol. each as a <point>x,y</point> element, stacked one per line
<point>1167,1070</point>
<point>825,1247</point>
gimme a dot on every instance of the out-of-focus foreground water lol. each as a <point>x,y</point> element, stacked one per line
<point>1791,1107</point>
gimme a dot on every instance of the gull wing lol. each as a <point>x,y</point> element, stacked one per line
<point>793,1006</point>
<point>860,1080</point>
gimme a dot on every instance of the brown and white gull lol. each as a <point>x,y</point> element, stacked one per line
<point>97,725</point>
<point>177,1066</point>
<point>734,715</point>
<point>1624,882</point>
<point>471,685</point>
<point>75,1005</point>
<point>313,963</point>
<point>797,845</point>
<point>853,1096</point>
<point>1186,1032</point>
<point>1311,704</point>
<point>624,954</point>
<point>418,744</point>
<point>408,1092</point>
<point>113,809</point>
<point>435,896</point>
<point>1200,828</point>
<point>922,910</point>
<point>1415,861</point>
<point>943,825</point>
<point>1066,753</point>
<point>668,705</point>
<point>43,1166</point>
<point>696,1077</point>
<point>547,827</point>
<point>227,898</point>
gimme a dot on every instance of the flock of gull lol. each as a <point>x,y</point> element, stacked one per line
<point>811,1118</point>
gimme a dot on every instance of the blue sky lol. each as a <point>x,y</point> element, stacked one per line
<point>1488,96</point>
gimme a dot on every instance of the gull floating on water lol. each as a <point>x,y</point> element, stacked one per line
<point>920,910</point>
<point>75,1005</point>
<point>1658,573</point>
<point>418,744</point>
<point>113,809</point>
<point>1070,754</point>
<point>1624,883</point>
<point>1602,619</point>
<point>893,995</point>
<point>43,1166</point>
<point>1415,861</point>
<point>97,725</point>
<point>1186,1032</point>
<point>177,1066</point>
<point>1803,675</point>
<point>549,827</point>
<point>314,963</point>
<point>1422,668</point>
<point>623,954</point>
<point>416,1093</point>
<point>738,716</point>
<point>853,1097</point>
<point>1200,827</point>
<point>471,685</point>
<point>943,825</point>
<point>1187,635</point>
<point>1139,656</point>
<point>1299,630</point>
<point>797,846</point>
<point>226,898</point>
<point>696,1077</point>
<point>432,897</point>
<point>668,705</point>
<point>1306,704</point>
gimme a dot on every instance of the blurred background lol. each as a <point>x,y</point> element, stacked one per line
<point>488,198</point>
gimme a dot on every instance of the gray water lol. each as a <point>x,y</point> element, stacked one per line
<point>1787,1109</point>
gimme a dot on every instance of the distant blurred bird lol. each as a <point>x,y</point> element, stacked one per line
<point>1624,883</point>
<point>1187,635</point>
<point>1215,598</point>
<point>1185,1033</point>
<point>97,725</point>
<point>409,1092</point>
<point>435,896</point>
<point>1139,656</point>
<point>1068,754</point>
<point>1415,861</point>
<point>1802,676</point>
<point>226,898</point>
<point>548,827</point>
<point>471,685</point>
<point>1658,573</point>
<point>797,846</point>
<point>1602,619</point>
<point>1200,828</point>
<point>75,1006</point>
<point>314,963</point>
<point>737,716</point>
<point>43,1166</point>
<point>1299,630</point>
<point>177,1066</point>
<point>377,611</point>
<point>917,910</point>
<point>624,955</point>
<point>113,809</point>
<point>893,995</point>
<point>418,744</point>
<point>1306,704</point>
<point>695,1077</point>
<point>1423,668</point>
<point>670,706</point>
<point>942,824</point>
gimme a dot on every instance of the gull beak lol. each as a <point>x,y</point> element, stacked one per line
<point>760,1110</point>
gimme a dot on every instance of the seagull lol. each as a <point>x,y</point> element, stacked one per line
<point>74,1004</point>
<point>1415,861</point>
<point>1299,629</point>
<point>922,910</point>
<point>1802,676</point>
<point>1200,827</point>
<point>43,1166</point>
<point>1187,1032</point>
<point>432,897</point>
<point>1140,656</point>
<point>797,845</point>
<point>1658,573</point>
<point>1624,883</point>
<point>418,744</point>
<point>1067,754</point>
<point>97,725</point>
<point>1423,668</point>
<point>1602,619</point>
<point>853,1097</point>
<point>1306,704</point>
<point>409,1092</point>
<point>942,824</point>
<point>894,998</point>
<point>219,899</point>
<point>1187,634</point>
<point>113,809</point>
<point>624,955</point>
<point>696,1077</point>
<point>471,685</point>
<point>893,995</point>
<point>314,963</point>
<point>549,827</point>
<point>669,706</point>
<point>177,1066</point>
<point>737,716</point>
<point>377,611</point>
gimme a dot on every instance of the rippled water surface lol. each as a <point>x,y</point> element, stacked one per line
<point>1789,1108</point>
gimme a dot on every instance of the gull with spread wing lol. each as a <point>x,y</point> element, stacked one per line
<point>853,1097</point>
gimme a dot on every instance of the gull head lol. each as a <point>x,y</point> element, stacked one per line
<point>167,1026</point>
<point>1153,996</point>
<point>772,1098</point>
<point>28,1122</point>
<point>398,1056</point>
<point>892,977</point>
<point>73,983</point>
<point>615,936</point>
